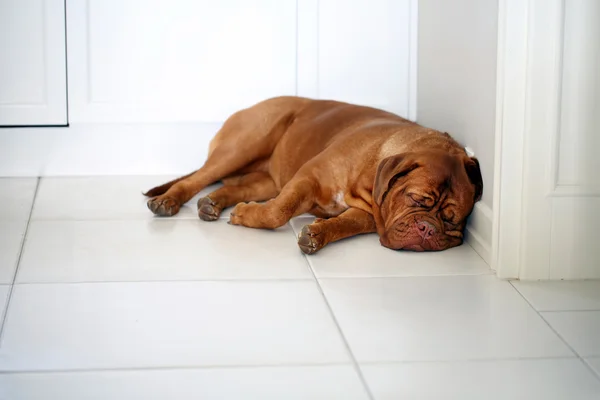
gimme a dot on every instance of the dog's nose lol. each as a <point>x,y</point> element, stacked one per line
<point>425,229</point>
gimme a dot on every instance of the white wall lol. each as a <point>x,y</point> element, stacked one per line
<point>457,75</point>
<point>457,45</point>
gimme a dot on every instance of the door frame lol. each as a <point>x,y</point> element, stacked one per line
<point>530,42</point>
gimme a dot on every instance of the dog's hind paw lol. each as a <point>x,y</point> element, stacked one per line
<point>163,206</point>
<point>208,210</point>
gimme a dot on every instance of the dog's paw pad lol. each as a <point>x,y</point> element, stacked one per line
<point>163,206</point>
<point>208,210</point>
<point>310,240</point>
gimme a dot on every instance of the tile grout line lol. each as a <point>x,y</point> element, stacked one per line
<point>10,290</point>
<point>389,276</point>
<point>120,219</point>
<point>182,280</point>
<point>359,372</point>
<point>267,366</point>
<point>589,366</point>
<point>570,311</point>
<point>260,279</point>
<point>175,368</point>
<point>566,343</point>
<point>357,369</point>
<point>468,360</point>
<point>582,359</point>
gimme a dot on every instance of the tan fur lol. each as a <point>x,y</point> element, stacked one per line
<point>322,157</point>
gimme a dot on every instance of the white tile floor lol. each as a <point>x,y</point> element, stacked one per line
<point>103,301</point>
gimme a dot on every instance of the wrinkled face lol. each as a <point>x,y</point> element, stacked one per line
<point>422,199</point>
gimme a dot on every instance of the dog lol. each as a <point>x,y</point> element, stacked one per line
<point>357,169</point>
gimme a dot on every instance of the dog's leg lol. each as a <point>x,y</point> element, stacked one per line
<point>296,197</point>
<point>218,165</point>
<point>158,190</point>
<point>351,222</point>
<point>255,186</point>
<point>244,138</point>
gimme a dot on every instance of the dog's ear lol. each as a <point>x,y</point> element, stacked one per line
<point>474,174</point>
<point>388,171</point>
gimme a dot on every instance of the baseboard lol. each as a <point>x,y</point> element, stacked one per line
<point>479,231</point>
<point>105,149</point>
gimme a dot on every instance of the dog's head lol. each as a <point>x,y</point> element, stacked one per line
<point>421,200</point>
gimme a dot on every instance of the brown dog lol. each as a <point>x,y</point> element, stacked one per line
<point>362,169</point>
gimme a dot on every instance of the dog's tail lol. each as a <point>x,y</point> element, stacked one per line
<point>157,191</point>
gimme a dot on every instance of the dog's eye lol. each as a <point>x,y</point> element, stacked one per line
<point>416,202</point>
<point>420,201</point>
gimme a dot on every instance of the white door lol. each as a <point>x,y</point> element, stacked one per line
<point>157,61</point>
<point>549,140</point>
<point>33,82</point>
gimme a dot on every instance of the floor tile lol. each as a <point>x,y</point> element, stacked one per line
<point>561,295</point>
<point>556,379</point>
<point>594,362</point>
<point>4,289</point>
<point>11,237</point>
<point>290,383</point>
<point>363,256</point>
<point>581,329</point>
<point>103,198</point>
<point>133,250</point>
<point>168,324</point>
<point>16,196</point>
<point>438,318</point>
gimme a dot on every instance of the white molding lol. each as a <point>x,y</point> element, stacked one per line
<point>413,55</point>
<point>511,90</point>
<point>188,80</point>
<point>307,48</point>
<point>51,107</point>
<point>577,100</point>
<point>479,231</point>
<point>543,122</point>
<point>575,190</point>
<point>529,74</point>
<point>554,182</point>
<point>105,149</point>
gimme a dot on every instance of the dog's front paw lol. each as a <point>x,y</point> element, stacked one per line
<point>163,206</point>
<point>250,215</point>
<point>238,214</point>
<point>311,239</point>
